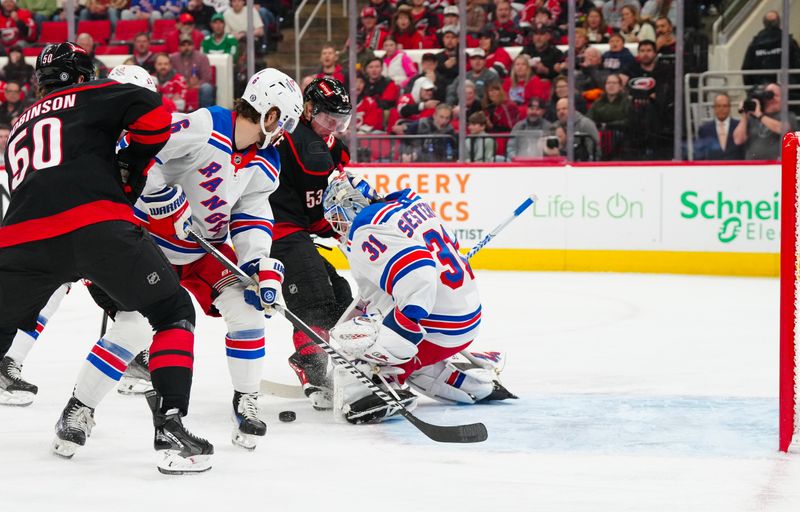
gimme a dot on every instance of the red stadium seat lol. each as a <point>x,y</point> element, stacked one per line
<point>32,51</point>
<point>161,28</point>
<point>158,48</point>
<point>100,30</point>
<point>53,32</point>
<point>115,49</point>
<point>192,99</point>
<point>127,29</point>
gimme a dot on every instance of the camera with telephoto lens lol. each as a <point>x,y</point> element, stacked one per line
<point>551,142</point>
<point>759,93</point>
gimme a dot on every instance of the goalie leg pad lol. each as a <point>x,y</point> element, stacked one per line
<point>446,382</point>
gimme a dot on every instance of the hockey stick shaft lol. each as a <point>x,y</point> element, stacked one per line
<point>104,324</point>
<point>473,433</point>
<point>500,227</point>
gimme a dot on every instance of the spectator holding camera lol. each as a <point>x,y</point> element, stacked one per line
<point>587,138</point>
<point>760,129</point>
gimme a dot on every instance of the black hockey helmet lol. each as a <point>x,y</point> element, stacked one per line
<point>330,104</point>
<point>61,64</point>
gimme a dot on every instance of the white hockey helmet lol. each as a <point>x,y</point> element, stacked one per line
<point>129,74</point>
<point>341,203</point>
<point>272,88</point>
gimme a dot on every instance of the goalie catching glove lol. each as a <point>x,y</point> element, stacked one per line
<point>168,212</point>
<point>382,341</point>
<point>268,273</point>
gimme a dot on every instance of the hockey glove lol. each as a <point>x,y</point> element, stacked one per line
<point>168,212</point>
<point>268,273</point>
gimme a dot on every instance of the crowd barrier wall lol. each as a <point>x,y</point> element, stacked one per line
<point>662,217</point>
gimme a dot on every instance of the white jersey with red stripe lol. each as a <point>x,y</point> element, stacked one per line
<point>402,257</point>
<point>227,190</point>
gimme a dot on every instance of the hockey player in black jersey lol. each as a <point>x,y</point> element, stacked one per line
<point>311,287</point>
<point>70,218</point>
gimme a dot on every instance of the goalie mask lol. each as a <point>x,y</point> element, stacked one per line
<point>341,204</point>
<point>268,89</point>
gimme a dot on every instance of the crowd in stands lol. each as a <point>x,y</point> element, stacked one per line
<point>172,40</point>
<point>623,100</point>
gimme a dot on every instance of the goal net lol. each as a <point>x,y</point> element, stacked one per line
<point>789,425</point>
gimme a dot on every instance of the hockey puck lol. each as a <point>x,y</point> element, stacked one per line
<point>287,416</point>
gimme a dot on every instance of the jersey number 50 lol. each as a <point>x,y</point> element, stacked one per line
<point>46,149</point>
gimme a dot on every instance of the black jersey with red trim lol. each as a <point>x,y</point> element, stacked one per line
<point>61,159</point>
<point>307,160</point>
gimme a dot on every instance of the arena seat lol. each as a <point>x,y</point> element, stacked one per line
<point>114,49</point>
<point>161,28</point>
<point>100,30</point>
<point>53,32</point>
<point>126,30</point>
<point>32,51</point>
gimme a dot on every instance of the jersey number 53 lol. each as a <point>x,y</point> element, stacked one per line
<point>43,151</point>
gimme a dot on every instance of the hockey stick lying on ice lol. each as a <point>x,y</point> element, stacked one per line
<point>293,391</point>
<point>472,433</point>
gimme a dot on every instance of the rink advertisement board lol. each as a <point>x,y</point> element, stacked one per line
<point>704,219</point>
<point>709,219</point>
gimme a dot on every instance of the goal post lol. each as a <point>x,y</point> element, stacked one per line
<point>789,307</point>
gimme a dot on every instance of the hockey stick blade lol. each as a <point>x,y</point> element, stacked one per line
<point>269,387</point>
<point>472,433</point>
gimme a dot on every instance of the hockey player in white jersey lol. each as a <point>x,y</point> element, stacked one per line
<point>14,390</point>
<point>421,299</point>
<point>215,175</point>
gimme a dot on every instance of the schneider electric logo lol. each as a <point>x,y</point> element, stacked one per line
<point>739,218</point>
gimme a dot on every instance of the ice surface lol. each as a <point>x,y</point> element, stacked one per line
<point>639,392</point>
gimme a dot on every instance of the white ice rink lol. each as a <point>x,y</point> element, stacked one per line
<point>638,392</point>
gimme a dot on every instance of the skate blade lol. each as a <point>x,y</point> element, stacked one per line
<point>242,440</point>
<point>173,463</point>
<point>16,398</point>
<point>64,449</point>
<point>131,386</point>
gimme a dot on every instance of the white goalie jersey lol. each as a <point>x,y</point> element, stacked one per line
<point>227,190</point>
<point>409,270</point>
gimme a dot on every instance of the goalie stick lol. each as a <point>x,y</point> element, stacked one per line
<point>471,433</point>
<point>293,391</point>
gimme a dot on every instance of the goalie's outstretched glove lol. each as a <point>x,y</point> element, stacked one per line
<point>268,273</point>
<point>168,212</point>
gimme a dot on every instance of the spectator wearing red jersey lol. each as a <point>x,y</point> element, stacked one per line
<point>425,22</point>
<point>522,84</point>
<point>369,116</point>
<point>497,57</point>
<point>17,26</point>
<point>502,24</point>
<point>329,64</point>
<point>372,34</point>
<point>194,66</point>
<point>378,86</point>
<point>501,113</point>
<point>397,65</point>
<point>552,8</point>
<point>184,26</point>
<point>596,29</point>
<point>170,84</point>
<point>384,12</point>
<point>403,31</point>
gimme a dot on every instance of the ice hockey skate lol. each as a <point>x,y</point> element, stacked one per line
<point>73,428</point>
<point>312,370</point>
<point>136,379</point>
<point>248,427</point>
<point>14,390</point>
<point>181,451</point>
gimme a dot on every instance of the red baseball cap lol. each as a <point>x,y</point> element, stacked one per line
<point>369,12</point>
<point>186,18</point>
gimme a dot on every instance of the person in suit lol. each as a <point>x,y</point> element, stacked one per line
<point>715,138</point>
